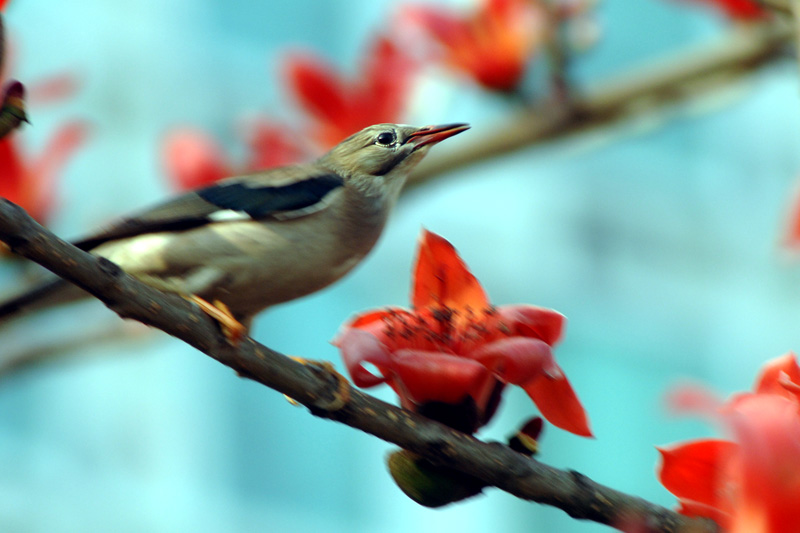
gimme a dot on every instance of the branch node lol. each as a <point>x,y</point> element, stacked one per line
<point>336,392</point>
<point>109,267</point>
<point>581,481</point>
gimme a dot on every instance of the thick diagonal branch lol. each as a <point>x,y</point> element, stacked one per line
<point>321,391</point>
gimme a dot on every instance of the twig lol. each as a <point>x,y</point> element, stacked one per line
<point>649,89</point>
<point>794,10</point>
<point>321,391</point>
<point>66,349</point>
<point>781,6</point>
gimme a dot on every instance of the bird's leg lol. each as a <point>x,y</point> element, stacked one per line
<point>231,328</point>
<point>342,394</point>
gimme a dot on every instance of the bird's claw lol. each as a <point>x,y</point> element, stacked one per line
<point>232,329</point>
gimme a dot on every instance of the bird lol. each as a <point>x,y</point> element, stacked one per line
<point>250,242</point>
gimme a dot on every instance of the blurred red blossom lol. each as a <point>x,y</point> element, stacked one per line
<point>492,44</point>
<point>31,181</point>
<point>53,89</point>
<point>750,483</point>
<point>453,353</point>
<point>272,144</point>
<point>339,107</point>
<point>737,9</point>
<point>792,236</point>
<point>193,158</point>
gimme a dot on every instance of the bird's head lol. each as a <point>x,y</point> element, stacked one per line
<point>386,153</point>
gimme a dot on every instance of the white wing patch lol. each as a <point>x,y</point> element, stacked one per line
<point>144,253</point>
<point>228,215</point>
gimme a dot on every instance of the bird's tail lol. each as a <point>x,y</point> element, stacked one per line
<point>49,293</point>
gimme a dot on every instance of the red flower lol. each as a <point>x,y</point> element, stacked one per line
<point>792,238</point>
<point>31,181</point>
<point>492,44</point>
<point>780,376</point>
<point>750,483</point>
<point>271,145</point>
<point>193,158</point>
<point>738,9</point>
<point>339,107</point>
<point>451,355</point>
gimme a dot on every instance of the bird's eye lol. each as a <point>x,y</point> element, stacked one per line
<point>387,138</point>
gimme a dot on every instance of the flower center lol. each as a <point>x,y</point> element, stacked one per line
<point>444,329</point>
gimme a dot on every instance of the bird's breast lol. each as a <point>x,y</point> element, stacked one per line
<point>273,262</point>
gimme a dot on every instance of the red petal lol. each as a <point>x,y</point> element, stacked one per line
<point>780,376</point>
<point>53,89</point>
<point>698,510</point>
<point>45,169</point>
<point>438,377</point>
<point>792,238</point>
<point>695,400</point>
<point>193,159</point>
<point>12,171</point>
<point>740,9</point>
<point>271,145</point>
<point>697,470</point>
<point>532,321</point>
<point>388,74</point>
<point>317,88</point>
<point>559,404</point>
<point>359,347</point>
<point>517,360</point>
<point>442,279</point>
<point>441,24</point>
<point>767,429</point>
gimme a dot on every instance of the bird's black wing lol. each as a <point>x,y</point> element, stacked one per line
<point>260,196</point>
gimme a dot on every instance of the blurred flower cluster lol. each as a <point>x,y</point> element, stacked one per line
<point>750,482</point>
<point>791,237</point>
<point>492,44</point>
<point>741,10</point>
<point>31,181</point>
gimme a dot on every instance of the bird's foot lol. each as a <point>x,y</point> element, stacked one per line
<point>342,394</point>
<point>231,328</point>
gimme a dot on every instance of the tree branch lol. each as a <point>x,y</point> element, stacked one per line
<point>326,394</point>
<point>649,89</point>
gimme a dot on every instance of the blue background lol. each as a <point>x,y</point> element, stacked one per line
<point>658,239</point>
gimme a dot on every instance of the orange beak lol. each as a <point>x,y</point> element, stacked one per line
<point>435,134</point>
